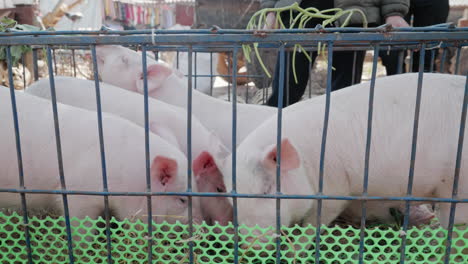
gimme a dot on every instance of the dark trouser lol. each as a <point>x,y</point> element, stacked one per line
<point>342,76</point>
<point>425,13</point>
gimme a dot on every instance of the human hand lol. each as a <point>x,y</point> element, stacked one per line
<point>270,22</point>
<point>396,21</point>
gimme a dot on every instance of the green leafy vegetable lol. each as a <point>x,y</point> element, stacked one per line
<point>10,25</point>
<point>258,20</point>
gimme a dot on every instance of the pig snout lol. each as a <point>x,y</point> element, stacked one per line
<point>209,179</point>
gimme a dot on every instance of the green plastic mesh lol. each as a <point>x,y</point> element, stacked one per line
<point>215,244</point>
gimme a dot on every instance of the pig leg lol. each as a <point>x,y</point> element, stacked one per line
<point>461,212</point>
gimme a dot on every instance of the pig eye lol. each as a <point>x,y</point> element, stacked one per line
<point>220,189</point>
<point>183,200</point>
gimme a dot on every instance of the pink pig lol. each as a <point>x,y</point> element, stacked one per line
<point>125,162</point>
<point>392,127</point>
<point>165,120</point>
<point>170,86</point>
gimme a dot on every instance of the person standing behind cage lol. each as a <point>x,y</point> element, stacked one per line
<point>376,11</point>
<point>425,13</point>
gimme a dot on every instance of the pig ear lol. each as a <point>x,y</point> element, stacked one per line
<point>289,157</point>
<point>156,75</point>
<point>204,163</point>
<point>163,172</point>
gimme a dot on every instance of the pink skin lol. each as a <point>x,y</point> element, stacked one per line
<point>210,179</point>
<point>82,164</point>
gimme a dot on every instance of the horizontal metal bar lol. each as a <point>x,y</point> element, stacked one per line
<point>219,31</point>
<point>229,38</point>
<point>241,195</point>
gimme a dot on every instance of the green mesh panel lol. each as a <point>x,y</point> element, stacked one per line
<point>215,244</point>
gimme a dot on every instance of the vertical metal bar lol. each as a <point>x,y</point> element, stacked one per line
<point>55,61</point>
<point>189,150</point>
<point>431,69</point>
<point>288,67</point>
<point>322,150</point>
<point>19,156</point>
<point>103,154</point>
<point>35,67</point>
<point>195,72</point>
<point>59,155</point>
<point>281,88</point>
<point>310,76</point>
<point>461,137</point>
<point>401,58</point>
<point>234,159</point>
<point>211,73</point>
<point>457,63</point>
<point>147,156</point>
<point>24,70</point>
<point>354,67</point>
<point>177,59</point>
<point>409,191</point>
<point>410,69</point>
<point>367,155</point>
<point>442,60</point>
<point>229,84</point>
<point>74,63</point>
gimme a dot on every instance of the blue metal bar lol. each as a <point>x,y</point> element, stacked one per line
<point>73,63</point>
<point>367,154</point>
<point>243,195</point>
<point>431,69</point>
<point>401,59</point>
<point>103,154</point>
<point>353,71</point>
<point>35,67</point>
<point>288,66</point>
<point>59,155</point>
<point>149,202</point>
<point>461,137</point>
<point>211,73</point>
<point>19,156</point>
<point>189,150</point>
<point>234,170</point>
<point>162,33</point>
<point>457,63</point>
<point>310,74</point>
<point>55,61</point>
<point>442,60</point>
<point>322,150</point>
<point>23,62</point>
<point>384,45</point>
<point>195,72</point>
<point>281,88</point>
<point>411,62</point>
<point>409,191</point>
<point>234,38</point>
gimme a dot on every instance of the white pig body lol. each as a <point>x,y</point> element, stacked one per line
<point>391,140</point>
<point>125,161</point>
<point>165,120</point>
<point>170,86</point>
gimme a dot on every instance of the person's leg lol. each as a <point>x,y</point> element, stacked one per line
<point>428,13</point>
<point>391,60</point>
<point>295,90</point>
<point>347,64</point>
